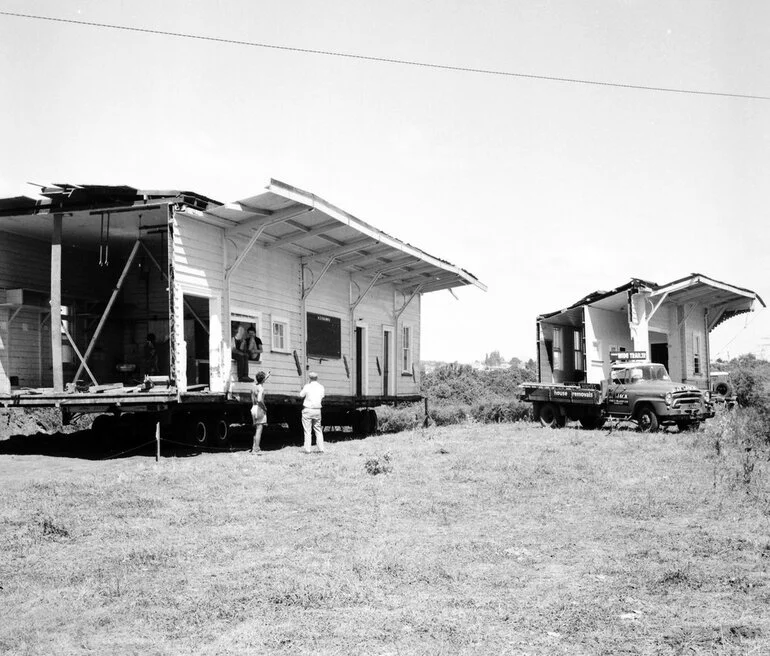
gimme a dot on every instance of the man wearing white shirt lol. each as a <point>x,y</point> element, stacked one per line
<point>313,394</point>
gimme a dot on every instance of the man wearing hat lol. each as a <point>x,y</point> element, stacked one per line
<point>312,395</point>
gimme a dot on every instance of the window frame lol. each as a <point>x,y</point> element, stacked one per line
<point>696,370</point>
<point>245,316</point>
<point>407,352</point>
<point>577,350</point>
<point>283,321</point>
<point>556,348</point>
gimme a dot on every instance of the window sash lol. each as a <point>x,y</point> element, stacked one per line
<point>406,348</point>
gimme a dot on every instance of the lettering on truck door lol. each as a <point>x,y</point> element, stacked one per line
<point>617,395</point>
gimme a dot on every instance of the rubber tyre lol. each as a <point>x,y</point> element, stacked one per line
<point>592,423</point>
<point>722,388</point>
<point>647,420</point>
<point>103,425</point>
<point>549,416</point>
<point>218,432</point>
<point>196,431</point>
<point>357,422</point>
<point>374,422</point>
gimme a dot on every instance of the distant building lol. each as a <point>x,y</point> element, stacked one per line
<point>669,323</point>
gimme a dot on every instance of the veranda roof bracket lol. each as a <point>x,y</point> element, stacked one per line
<point>361,296</point>
<point>416,291</point>
<point>327,266</point>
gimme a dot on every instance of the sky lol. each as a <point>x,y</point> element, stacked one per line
<point>544,190</point>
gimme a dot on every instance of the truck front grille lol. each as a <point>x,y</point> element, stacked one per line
<point>687,396</point>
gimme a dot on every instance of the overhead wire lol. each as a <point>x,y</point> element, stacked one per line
<point>388,60</point>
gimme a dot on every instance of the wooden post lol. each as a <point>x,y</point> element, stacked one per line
<point>425,422</point>
<point>56,349</point>
<point>157,442</point>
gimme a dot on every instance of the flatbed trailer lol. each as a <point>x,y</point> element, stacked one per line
<point>199,417</point>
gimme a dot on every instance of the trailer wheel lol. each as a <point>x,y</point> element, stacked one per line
<point>218,432</point>
<point>197,430</point>
<point>647,419</point>
<point>550,416</point>
<point>373,422</point>
<point>592,422</point>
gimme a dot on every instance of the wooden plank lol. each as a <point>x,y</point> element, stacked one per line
<point>56,271</point>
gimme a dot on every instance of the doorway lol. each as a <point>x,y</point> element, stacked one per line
<point>387,355</point>
<point>361,360</point>
<point>196,336</point>
<point>659,348</point>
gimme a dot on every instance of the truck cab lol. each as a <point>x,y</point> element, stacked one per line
<point>644,391</point>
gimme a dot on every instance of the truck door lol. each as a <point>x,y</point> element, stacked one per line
<point>617,394</point>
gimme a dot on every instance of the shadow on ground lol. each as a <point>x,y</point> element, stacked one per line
<point>94,445</point>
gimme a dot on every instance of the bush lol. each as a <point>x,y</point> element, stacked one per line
<point>741,442</point>
<point>447,415</point>
<point>400,418</point>
<point>501,411</point>
<point>378,465</point>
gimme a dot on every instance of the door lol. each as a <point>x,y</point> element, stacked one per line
<point>359,361</point>
<point>387,348</point>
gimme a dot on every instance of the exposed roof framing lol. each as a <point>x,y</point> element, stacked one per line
<point>281,218</point>
<point>722,299</point>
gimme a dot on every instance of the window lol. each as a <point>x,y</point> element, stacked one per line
<point>577,348</point>
<point>557,348</point>
<point>280,335</point>
<point>242,323</point>
<point>696,354</point>
<point>406,349</point>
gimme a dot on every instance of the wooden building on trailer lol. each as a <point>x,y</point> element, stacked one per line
<point>87,272</point>
<point>670,323</point>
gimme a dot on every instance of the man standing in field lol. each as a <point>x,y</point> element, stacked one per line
<point>313,394</point>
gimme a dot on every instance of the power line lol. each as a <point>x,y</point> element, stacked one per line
<point>389,60</point>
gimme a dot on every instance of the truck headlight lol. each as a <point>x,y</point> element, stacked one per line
<point>669,398</point>
<point>707,396</point>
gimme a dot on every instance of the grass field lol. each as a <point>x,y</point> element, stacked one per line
<point>474,539</point>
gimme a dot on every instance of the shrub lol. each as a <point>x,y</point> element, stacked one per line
<point>501,411</point>
<point>446,415</point>
<point>400,418</point>
<point>741,441</point>
<point>378,465</point>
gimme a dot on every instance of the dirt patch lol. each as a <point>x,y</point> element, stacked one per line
<point>18,421</point>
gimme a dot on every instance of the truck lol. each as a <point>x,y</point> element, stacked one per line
<point>637,390</point>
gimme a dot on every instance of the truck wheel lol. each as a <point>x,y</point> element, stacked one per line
<point>592,423</point>
<point>647,420</point>
<point>550,417</point>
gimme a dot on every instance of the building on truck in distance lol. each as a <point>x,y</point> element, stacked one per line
<point>596,356</point>
<point>121,301</point>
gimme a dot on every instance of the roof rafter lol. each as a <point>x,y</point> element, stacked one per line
<point>304,232</point>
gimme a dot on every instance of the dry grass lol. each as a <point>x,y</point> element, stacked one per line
<point>505,539</point>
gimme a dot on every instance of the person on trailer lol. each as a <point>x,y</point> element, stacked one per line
<point>253,345</point>
<point>258,411</point>
<point>241,355</point>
